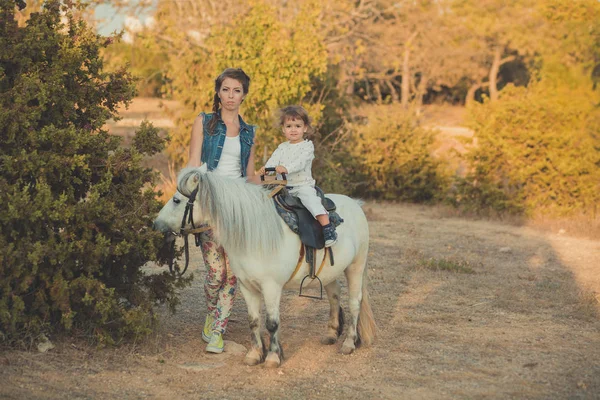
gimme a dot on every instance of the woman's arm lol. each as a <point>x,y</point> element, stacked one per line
<point>250,176</point>
<point>250,166</point>
<point>196,143</point>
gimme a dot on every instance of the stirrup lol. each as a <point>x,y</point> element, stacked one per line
<point>309,296</point>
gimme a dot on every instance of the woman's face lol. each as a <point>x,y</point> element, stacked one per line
<point>231,94</point>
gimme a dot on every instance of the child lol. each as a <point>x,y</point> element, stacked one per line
<point>294,158</point>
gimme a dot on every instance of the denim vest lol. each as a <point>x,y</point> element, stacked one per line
<point>212,145</point>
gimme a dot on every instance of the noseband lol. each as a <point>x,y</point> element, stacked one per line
<point>188,219</point>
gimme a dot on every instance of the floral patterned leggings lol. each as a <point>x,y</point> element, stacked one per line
<point>220,284</point>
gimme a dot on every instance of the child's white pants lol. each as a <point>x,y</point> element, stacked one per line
<point>308,196</point>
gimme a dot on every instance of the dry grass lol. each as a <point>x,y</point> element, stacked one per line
<point>579,225</point>
<point>447,264</point>
<point>589,303</point>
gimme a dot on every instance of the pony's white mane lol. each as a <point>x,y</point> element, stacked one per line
<point>242,215</point>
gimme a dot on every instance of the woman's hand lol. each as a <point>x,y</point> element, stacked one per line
<point>280,169</point>
<point>261,171</point>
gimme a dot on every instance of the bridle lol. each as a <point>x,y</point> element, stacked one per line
<point>188,219</point>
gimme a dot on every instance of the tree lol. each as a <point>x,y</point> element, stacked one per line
<point>570,38</point>
<point>395,50</point>
<point>77,208</point>
<point>497,31</point>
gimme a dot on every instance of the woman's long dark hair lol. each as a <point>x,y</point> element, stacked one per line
<point>234,73</point>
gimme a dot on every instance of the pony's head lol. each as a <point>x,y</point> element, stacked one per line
<point>172,217</point>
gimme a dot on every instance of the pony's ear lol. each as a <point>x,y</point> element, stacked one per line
<point>188,180</point>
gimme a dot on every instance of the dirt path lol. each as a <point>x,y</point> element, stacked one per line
<point>515,315</point>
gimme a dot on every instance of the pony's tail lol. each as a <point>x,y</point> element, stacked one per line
<point>367,329</point>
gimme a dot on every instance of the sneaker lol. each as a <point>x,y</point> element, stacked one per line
<point>216,343</point>
<point>208,328</point>
<point>329,234</point>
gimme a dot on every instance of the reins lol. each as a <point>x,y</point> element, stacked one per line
<point>188,218</point>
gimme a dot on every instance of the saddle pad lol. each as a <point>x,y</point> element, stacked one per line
<point>291,219</point>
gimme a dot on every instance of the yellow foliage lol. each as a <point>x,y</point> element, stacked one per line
<point>537,150</point>
<point>394,155</point>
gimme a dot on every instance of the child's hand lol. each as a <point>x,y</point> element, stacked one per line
<point>280,169</point>
<point>261,171</point>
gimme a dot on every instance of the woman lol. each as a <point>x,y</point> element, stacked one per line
<point>225,143</point>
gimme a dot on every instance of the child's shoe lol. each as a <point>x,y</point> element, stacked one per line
<point>329,234</point>
<point>208,328</point>
<point>216,344</point>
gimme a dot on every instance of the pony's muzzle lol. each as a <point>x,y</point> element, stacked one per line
<point>168,233</point>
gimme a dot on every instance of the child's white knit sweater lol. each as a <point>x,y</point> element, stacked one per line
<point>297,158</point>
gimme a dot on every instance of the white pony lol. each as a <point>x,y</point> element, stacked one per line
<point>263,254</point>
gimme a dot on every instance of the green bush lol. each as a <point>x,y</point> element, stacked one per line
<point>392,156</point>
<point>537,151</point>
<point>76,208</point>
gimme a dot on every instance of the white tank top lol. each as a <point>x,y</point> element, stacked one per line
<point>229,163</point>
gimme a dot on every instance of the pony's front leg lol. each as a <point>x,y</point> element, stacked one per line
<point>336,315</point>
<point>256,354</point>
<point>272,295</point>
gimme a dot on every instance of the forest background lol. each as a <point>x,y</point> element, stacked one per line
<point>526,71</point>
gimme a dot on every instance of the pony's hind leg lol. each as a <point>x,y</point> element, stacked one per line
<point>272,296</point>
<point>336,315</point>
<point>354,275</point>
<point>256,354</point>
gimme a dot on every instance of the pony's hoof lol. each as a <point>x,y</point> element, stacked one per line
<point>272,361</point>
<point>249,361</point>
<point>347,349</point>
<point>328,340</point>
<point>252,358</point>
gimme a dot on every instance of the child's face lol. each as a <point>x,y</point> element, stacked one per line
<point>294,130</point>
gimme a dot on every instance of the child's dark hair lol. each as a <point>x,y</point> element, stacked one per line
<point>234,73</point>
<point>295,112</point>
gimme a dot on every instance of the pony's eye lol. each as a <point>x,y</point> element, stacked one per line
<point>176,200</point>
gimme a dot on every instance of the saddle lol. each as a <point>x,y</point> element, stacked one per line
<point>304,224</point>
<point>310,231</point>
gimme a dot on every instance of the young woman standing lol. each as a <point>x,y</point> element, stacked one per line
<point>225,143</point>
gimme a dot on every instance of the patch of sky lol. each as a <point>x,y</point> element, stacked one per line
<point>132,19</point>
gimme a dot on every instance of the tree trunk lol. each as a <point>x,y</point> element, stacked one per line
<point>470,99</point>
<point>392,91</point>
<point>406,78</point>
<point>405,93</point>
<point>377,90</point>
<point>493,79</point>
<point>422,89</point>
<point>350,87</point>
